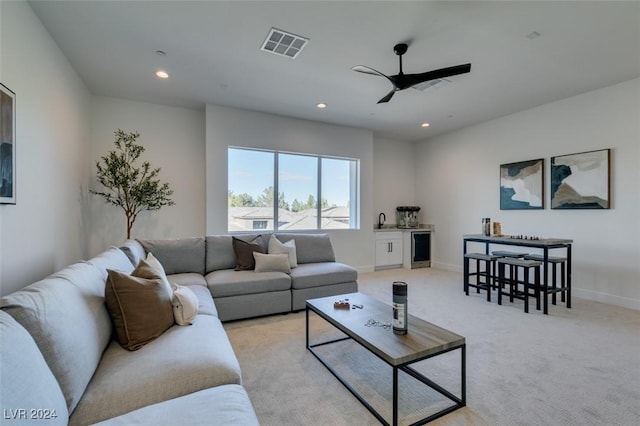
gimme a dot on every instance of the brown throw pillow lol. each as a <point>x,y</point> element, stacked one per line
<point>139,305</point>
<point>244,252</point>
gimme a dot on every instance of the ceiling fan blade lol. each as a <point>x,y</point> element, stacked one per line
<point>413,79</point>
<point>367,70</point>
<point>387,98</point>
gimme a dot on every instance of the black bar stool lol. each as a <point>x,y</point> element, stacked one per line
<point>489,273</point>
<point>513,281</point>
<point>554,261</point>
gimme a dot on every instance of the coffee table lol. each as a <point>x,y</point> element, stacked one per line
<point>423,340</point>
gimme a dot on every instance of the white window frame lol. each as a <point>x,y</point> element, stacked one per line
<point>354,187</point>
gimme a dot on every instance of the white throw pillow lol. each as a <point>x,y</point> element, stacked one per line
<point>272,262</point>
<point>155,264</point>
<point>185,305</point>
<point>277,247</point>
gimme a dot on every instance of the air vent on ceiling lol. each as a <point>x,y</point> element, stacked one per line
<point>283,43</point>
<point>431,85</point>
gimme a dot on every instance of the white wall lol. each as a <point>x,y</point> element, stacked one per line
<point>459,179</point>
<point>393,178</point>
<point>229,126</point>
<point>40,234</point>
<point>174,141</point>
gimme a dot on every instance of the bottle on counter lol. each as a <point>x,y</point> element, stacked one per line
<point>400,307</point>
<point>486,226</point>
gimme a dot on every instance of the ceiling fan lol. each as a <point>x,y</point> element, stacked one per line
<point>403,81</point>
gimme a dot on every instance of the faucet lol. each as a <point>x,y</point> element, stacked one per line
<point>381,221</point>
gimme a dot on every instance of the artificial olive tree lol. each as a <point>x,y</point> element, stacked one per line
<point>134,189</point>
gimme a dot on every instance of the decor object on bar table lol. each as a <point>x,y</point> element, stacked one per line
<point>133,189</point>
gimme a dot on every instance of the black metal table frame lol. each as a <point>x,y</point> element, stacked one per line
<point>459,401</point>
<point>534,244</point>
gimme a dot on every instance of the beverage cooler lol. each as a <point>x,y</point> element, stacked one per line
<point>420,249</point>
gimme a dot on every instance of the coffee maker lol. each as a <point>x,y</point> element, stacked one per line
<point>407,216</point>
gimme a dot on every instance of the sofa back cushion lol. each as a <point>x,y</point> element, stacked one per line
<point>28,389</point>
<point>69,324</point>
<point>310,248</point>
<point>134,251</point>
<point>179,255</point>
<point>220,253</point>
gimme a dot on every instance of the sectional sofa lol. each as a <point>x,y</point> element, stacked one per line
<point>63,363</point>
<point>210,261</point>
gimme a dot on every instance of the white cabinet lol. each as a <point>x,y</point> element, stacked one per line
<point>388,248</point>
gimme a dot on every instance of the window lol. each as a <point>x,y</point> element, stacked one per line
<point>285,191</point>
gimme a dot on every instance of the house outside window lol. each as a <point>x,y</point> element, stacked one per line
<point>282,191</point>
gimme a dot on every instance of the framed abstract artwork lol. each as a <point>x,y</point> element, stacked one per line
<point>522,185</point>
<point>7,145</point>
<point>581,181</point>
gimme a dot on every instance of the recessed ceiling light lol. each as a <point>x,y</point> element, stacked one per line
<point>425,125</point>
<point>162,74</point>
<point>321,105</point>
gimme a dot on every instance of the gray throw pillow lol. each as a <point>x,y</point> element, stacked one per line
<point>272,262</point>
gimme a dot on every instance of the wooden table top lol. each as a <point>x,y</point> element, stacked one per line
<point>422,339</point>
<point>511,240</point>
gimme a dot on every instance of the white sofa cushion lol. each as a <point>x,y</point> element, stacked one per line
<point>29,391</point>
<point>289,248</point>
<point>272,262</point>
<point>226,405</point>
<point>71,327</point>
<point>181,361</point>
<point>185,305</point>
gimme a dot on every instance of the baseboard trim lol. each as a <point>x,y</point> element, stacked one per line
<point>446,266</point>
<point>609,299</point>
<point>596,296</point>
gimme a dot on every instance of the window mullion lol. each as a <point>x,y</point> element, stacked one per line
<point>276,202</point>
<point>319,200</point>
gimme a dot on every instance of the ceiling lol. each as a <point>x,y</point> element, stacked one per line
<point>213,55</point>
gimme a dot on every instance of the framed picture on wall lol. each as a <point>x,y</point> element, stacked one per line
<point>581,181</point>
<point>522,185</point>
<point>7,145</point>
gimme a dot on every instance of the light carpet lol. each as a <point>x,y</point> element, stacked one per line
<point>578,366</point>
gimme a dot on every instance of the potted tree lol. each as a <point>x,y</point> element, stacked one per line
<point>131,187</point>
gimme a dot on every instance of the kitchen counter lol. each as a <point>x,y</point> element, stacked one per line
<point>393,228</point>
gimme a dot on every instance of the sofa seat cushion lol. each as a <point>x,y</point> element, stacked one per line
<point>205,301</point>
<point>188,278</point>
<point>319,274</point>
<point>228,282</point>
<point>226,405</point>
<point>181,361</point>
<point>27,382</point>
